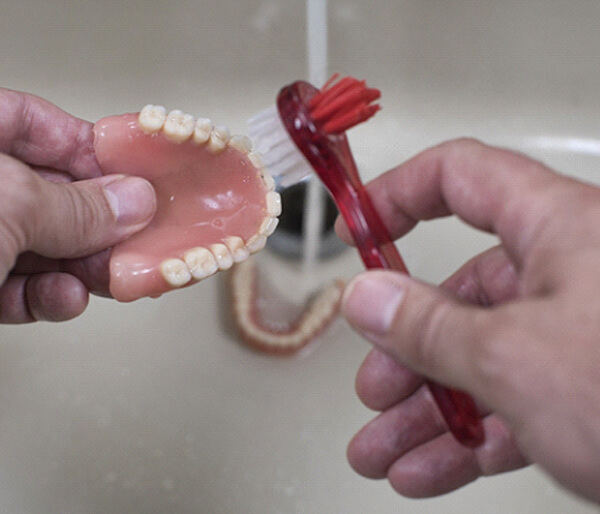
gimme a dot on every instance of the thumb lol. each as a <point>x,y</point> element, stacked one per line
<point>82,218</point>
<point>417,324</point>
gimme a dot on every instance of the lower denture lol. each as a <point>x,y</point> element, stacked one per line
<point>280,334</point>
<point>216,202</point>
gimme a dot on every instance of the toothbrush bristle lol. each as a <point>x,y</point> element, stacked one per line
<point>342,104</point>
<point>278,151</point>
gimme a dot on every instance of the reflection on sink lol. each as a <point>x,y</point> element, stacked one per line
<point>155,406</point>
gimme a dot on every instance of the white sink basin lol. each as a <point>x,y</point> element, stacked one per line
<point>155,407</point>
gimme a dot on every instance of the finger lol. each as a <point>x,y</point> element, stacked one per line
<point>44,297</point>
<point>487,279</point>
<point>396,431</point>
<point>52,175</point>
<point>92,271</point>
<point>442,464</point>
<point>39,133</point>
<point>381,382</point>
<point>70,220</point>
<point>489,188</point>
<point>423,327</point>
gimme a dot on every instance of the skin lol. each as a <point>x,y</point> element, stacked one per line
<point>58,215</point>
<point>516,327</point>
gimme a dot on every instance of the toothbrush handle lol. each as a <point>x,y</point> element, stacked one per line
<point>377,250</point>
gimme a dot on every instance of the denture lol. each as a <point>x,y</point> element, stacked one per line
<point>259,314</point>
<point>216,203</point>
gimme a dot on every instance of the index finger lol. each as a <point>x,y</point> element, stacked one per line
<point>492,189</point>
<point>41,134</point>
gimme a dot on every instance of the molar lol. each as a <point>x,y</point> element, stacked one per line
<point>219,138</point>
<point>241,143</point>
<point>256,243</point>
<point>222,255</point>
<point>152,118</point>
<point>201,262</point>
<point>179,126</point>
<point>175,272</point>
<point>202,130</point>
<point>237,248</point>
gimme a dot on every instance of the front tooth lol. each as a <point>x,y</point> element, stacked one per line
<point>219,137</point>
<point>268,226</point>
<point>175,272</point>
<point>273,204</point>
<point>256,160</point>
<point>201,262</point>
<point>241,143</point>
<point>152,118</point>
<point>237,248</point>
<point>256,243</point>
<point>179,126</point>
<point>222,255</point>
<point>202,130</point>
<point>267,179</point>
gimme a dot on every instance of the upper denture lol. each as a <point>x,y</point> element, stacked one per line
<point>216,202</point>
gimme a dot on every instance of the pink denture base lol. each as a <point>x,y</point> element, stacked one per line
<point>203,197</point>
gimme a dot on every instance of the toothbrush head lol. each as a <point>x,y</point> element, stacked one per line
<point>309,124</point>
<point>342,104</point>
<point>316,121</point>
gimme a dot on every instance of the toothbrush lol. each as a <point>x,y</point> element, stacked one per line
<point>309,124</point>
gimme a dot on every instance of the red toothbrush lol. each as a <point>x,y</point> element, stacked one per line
<point>314,122</point>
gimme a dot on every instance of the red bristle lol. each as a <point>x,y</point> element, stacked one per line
<point>330,82</point>
<point>349,99</point>
<point>341,105</point>
<point>350,119</point>
<point>331,90</point>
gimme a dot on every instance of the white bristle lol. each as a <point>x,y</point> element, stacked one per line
<point>280,154</point>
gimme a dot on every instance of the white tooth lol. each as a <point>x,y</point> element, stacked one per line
<point>256,160</point>
<point>241,143</point>
<point>175,272</point>
<point>201,262</point>
<point>273,204</point>
<point>219,137</point>
<point>237,248</point>
<point>152,118</point>
<point>202,130</point>
<point>222,255</point>
<point>179,126</point>
<point>256,243</point>
<point>267,179</point>
<point>268,226</point>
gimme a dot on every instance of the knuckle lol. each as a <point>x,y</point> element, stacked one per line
<point>431,336</point>
<point>21,196</point>
<point>88,213</point>
<point>496,352</point>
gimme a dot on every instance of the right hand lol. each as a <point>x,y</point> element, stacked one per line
<point>517,327</point>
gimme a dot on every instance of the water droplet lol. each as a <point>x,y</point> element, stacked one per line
<point>168,484</point>
<point>110,477</point>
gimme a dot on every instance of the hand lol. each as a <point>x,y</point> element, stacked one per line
<point>58,215</point>
<point>518,327</point>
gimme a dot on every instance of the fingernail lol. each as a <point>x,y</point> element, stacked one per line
<point>132,199</point>
<point>370,302</point>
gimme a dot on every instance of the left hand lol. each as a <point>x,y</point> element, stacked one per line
<point>58,214</point>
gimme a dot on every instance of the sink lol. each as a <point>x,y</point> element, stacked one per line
<point>156,406</point>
